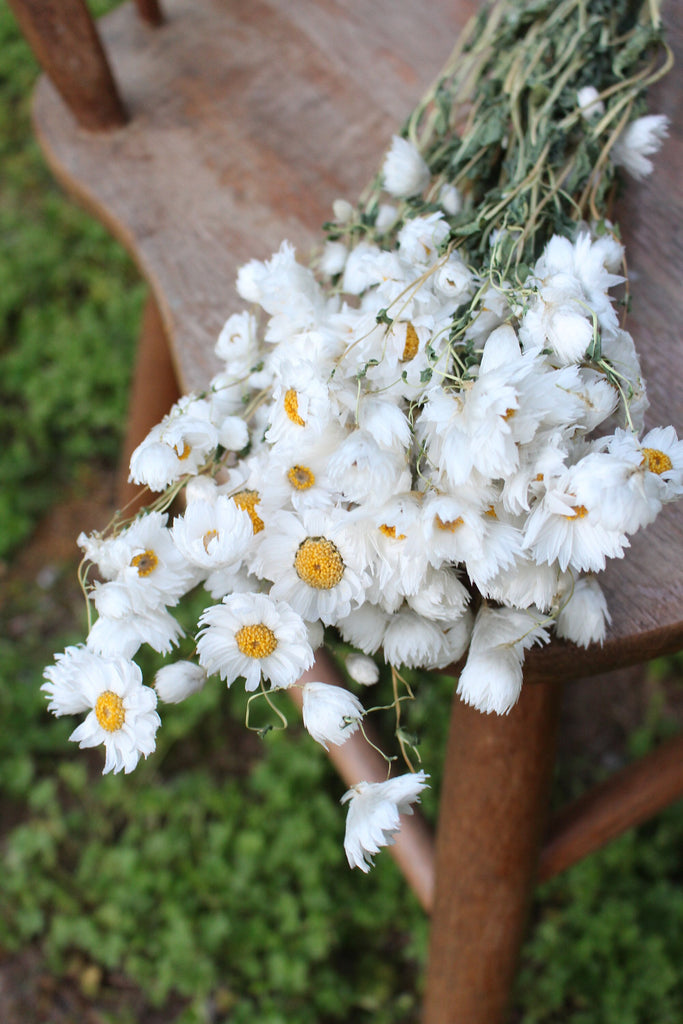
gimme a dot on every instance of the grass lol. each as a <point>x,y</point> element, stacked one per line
<point>211,884</point>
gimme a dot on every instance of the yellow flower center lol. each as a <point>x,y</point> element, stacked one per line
<point>145,563</point>
<point>247,501</point>
<point>412,344</point>
<point>390,531</point>
<point>580,511</point>
<point>256,641</point>
<point>110,711</point>
<point>292,408</point>
<point>509,413</point>
<point>449,525</point>
<point>301,478</point>
<point>656,461</point>
<point>318,563</point>
<point>491,512</point>
<point>207,538</point>
<point>185,453</point>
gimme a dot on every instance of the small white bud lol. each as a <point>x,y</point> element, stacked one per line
<point>343,211</point>
<point>589,103</point>
<point>450,199</point>
<point>404,171</point>
<point>333,258</point>
<point>175,682</point>
<point>362,669</point>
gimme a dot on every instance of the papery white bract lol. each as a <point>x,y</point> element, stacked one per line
<point>373,815</point>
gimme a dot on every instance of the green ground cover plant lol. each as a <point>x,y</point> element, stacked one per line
<point>213,879</point>
<point>70,304</point>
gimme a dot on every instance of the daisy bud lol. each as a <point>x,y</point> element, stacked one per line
<point>405,172</point>
<point>386,217</point>
<point>175,682</point>
<point>331,713</point>
<point>342,210</point>
<point>450,199</point>
<point>333,258</point>
<point>589,103</point>
<point>201,488</point>
<point>362,669</point>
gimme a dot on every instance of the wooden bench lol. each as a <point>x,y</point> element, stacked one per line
<point>228,125</point>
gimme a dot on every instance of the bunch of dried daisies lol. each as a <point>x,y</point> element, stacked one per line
<point>430,442</point>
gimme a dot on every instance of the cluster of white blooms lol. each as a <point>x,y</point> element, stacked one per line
<point>431,459</point>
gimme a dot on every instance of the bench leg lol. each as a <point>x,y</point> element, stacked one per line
<point>154,389</point>
<point>493,811</point>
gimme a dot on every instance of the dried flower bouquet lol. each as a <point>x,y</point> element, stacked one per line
<point>428,442</point>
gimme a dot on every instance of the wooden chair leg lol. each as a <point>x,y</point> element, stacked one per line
<point>623,801</point>
<point>493,810</point>
<point>153,392</point>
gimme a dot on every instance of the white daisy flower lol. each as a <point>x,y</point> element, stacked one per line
<point>331,713</point>
<point>312,565</point>
<point>253,636</point>
<point>413,641</point>
<point>176,447</point>
<point>557,317</point>
<point>296,477</point>
<point>384,420</point>
<point>640,140</point>
<point>442,596</point>
<point>213,534</point>
<point>454,280</point>
<point>300,406</point>
<point>583,616</point>
<point>420,239</point>
<point>404,171</point>
<point>567,524</point>
<point>363,471</point>
<point>524,583</point>
<point>64,685</point>
<point>373,816</point>
<point>589,102</point>
<point>238,343</point>
<point>123,715</point>
<point>147,562</point>
<point>122,626</point>
<point>492,677</point>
